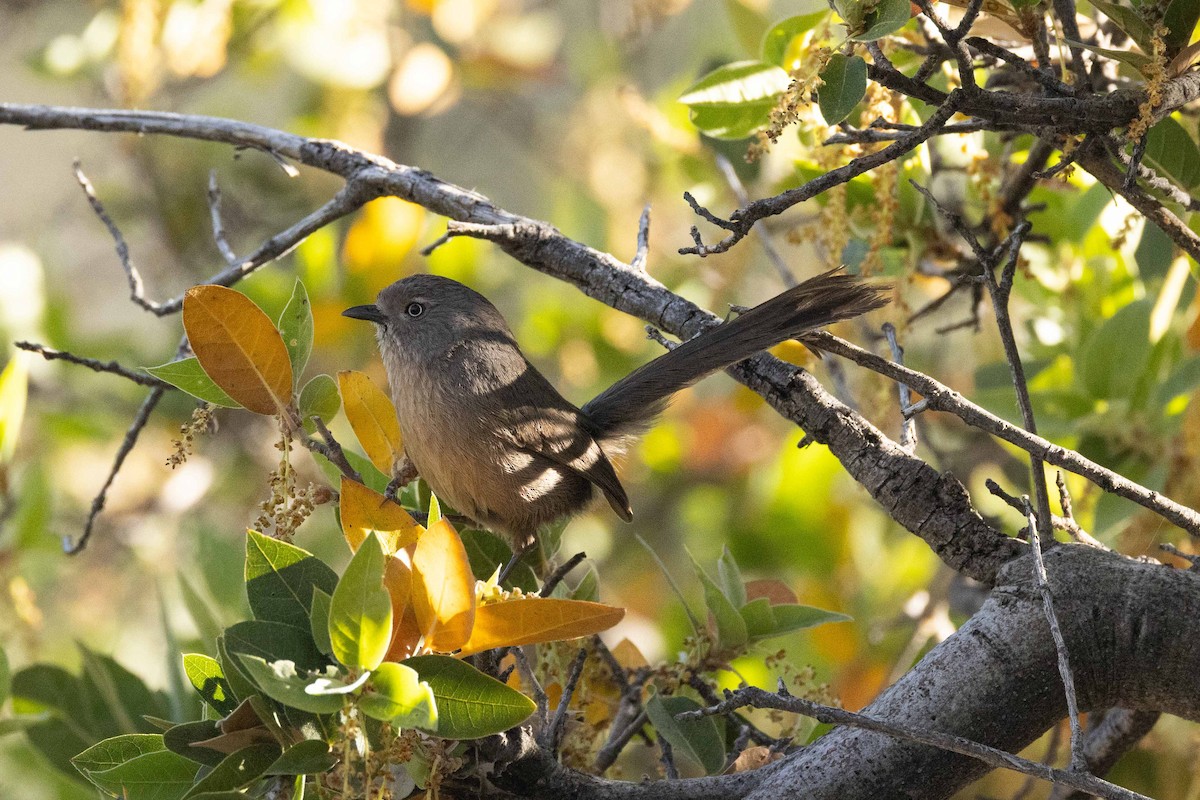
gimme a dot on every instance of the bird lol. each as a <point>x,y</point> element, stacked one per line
<point>498,443</point>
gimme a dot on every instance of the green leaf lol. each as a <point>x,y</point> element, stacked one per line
<point>735,100</point>
<point>360,613</point>
<point>1114,356</point>
<point>1182,382</point>
<point>186,374</point>
<point>280,681</point>
<point>469,704</point>
<point>239,683</point>
<point>845,83</point>
<point>44,686</point>
<point>853,12</point>
<point>775,43</point>
<point>888,16</point>
<point>310,757</point>
<point>732,584</point>
<point>588,588</point>
<point>760,622</point>
<point>792,617</point>
<point>137,767</point>
<point>1171,150</point>
<point>119,698</point>
<point>319,620</point>
<point>280,579</point>
<point>731,628</point>
<point>371,477</point>
<point>486,551</point>
<point>273,641</point>
<point>700,740</point>
<point>296,328</point>
<point>320,398</point>
<point>1129,21</point>
<point>208,679</point>
<point>58,742</point>
<point>395,693</point>
<point>1180,20</point>
<point>181,739</point>
<point>1139,61</point>
<point>238,769</point>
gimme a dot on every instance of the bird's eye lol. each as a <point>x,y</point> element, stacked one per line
<point>414,310</point>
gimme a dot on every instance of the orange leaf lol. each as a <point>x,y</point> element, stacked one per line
<point>777,592</point>
<point>628,655</point>
<point>373,418</point>
<point>238,347</point>
<point>443,588</point>
<point>397,579</point>
<point>532,620</point>
<point>364,510</point>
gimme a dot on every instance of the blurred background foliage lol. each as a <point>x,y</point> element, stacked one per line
<point>564,111</point>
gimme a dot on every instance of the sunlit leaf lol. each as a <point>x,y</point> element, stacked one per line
<point>735,100</point>
<point>360,614</point>
<point>698,739</point>
<point>844,84</point>
<point>208,679</point>
<point>443,588</point>
<point>280,579</point>
<point>238,347</point>
<point>373,418</point>
<point>320,398</point>
<point>469,703</point>
<point>535,619</point>
<point>188,376</point>
<point>280,681</point>
<point>777,41</point>
<point>296,328</point>
<point>395,693</point>
<point>364,510</point>
<point>14,386</point>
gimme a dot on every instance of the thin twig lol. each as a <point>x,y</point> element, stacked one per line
<point>535,686</point>
<point>764,236</point>
<point>993,757</point>
<point>132,274</point>
<point>1078,759</point>
<point>218,227</point>
<point>557,577</point>
<point>111,367</point>
<point>940,397</point>
<point>667,757</point>
<point>908,425</point>
<point>643,241</point>
<point>131,436</point>
<point>554,733</point>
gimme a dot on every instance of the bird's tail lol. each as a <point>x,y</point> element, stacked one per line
<point>630,405</point>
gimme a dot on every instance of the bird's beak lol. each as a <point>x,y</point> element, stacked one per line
<point>370,313</point>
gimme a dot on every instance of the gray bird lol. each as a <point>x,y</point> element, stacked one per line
<point>497,442</point>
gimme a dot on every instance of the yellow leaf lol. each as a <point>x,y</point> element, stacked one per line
<point>629,656</point>
<point>443,588</point>
<point>532,620</point>
<point>373,418</point>
<point>364,510</point>
<point>14,387</point>
<point>406,633</point>
<point>238,347</point>
<point>383,235</point>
